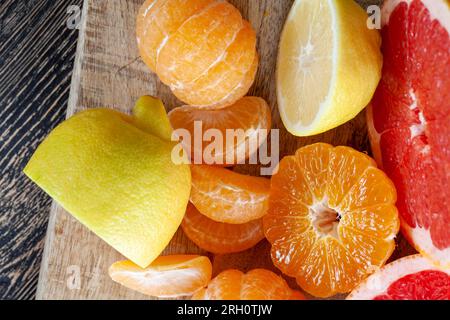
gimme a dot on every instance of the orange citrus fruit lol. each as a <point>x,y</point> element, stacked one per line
<point>226,196</point>
<point>258,284</point>
<point>332,218</point>
<point>221,238</point>
<point>202,49</point>
<point>246,118</point>
<point>166,277</point>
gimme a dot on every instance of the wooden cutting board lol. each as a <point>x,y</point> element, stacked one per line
<point>109,73</point>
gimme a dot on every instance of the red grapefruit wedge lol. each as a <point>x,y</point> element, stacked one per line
<point>410,278</point>
<point>409,120</point>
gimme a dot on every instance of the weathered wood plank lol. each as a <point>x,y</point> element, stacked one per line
<point>36,59</point>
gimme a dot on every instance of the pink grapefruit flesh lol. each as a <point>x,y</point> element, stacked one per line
<point>410,278</point>
<point>409,120</point>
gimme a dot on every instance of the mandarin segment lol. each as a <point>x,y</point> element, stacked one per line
<point>341,261</point>
<point>372,187</point>
<point>370,251</point>
<point>258,284</point>
<point>158,20</point>
<point>289,188</point>
<point>289,252</point>
<point>314,274</point>
<point>248,117</point>
<point>225,196</point>
<point>167,277</point>
<point>332,218</point>
<point>379,221</point>
<point>231,68</point>
<point>345,168</point>
<point>221,238</point>
<point>203,38</point>
<point>242,87</point>
<point>314,161</point>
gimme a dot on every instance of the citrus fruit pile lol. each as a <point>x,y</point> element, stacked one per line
<point>330,214</point>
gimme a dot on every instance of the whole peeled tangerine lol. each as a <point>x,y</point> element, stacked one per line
<point>202,49</point>
<point>115,174</point>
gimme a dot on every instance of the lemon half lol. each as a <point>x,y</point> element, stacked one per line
<point>329,65</point>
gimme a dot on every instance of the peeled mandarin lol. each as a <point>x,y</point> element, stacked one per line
<point>202,49</point>
<point>249,121</point>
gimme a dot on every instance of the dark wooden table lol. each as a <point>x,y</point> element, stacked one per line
<point>37,50</point>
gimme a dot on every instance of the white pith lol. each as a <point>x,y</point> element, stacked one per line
<point>378,283</point>
<point>321,212</point>
<point>422,236</point>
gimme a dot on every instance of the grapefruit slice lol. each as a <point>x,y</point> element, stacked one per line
<point>410,278</point>
<point>409,120</point>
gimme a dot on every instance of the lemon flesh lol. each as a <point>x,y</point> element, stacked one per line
<point>329,65</point>
<point>116,178</point>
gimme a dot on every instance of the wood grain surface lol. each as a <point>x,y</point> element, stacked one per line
<point>37,51</point>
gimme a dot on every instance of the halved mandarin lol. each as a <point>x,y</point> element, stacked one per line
<point>332,218</point>
<point>221,238</point>
<point>202,49</point>
<point>258,284</point>
<point>243,126</point>
<point>226,196</point>
<point>167,277</point>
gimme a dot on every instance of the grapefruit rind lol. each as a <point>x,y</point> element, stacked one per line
<point>439,258</point>
<point>379,282</point>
